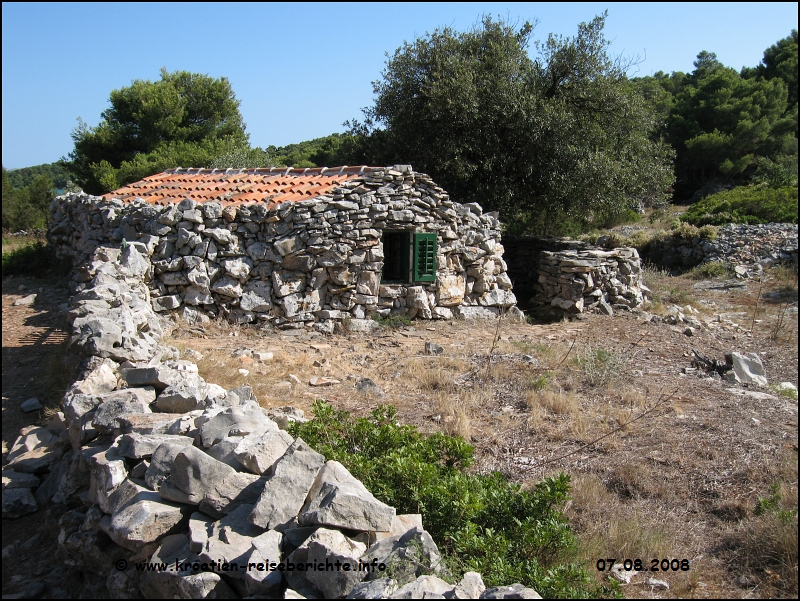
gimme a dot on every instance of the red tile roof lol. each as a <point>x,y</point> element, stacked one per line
<point>236,186</point>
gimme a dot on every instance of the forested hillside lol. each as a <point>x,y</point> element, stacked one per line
<point>58,172</point>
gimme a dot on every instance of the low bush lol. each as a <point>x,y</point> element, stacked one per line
<point>745,204</point>
<point>709,271</point>
<point>480,522</point>
<point>35,259</point>
<point>392,322</point>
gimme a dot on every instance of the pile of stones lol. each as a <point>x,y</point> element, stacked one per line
<point>580,280</point>
<point>177,488</point>
<point>770,244</point>
<point>301,264</point>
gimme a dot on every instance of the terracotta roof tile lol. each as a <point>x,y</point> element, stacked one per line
<point>232,186</point>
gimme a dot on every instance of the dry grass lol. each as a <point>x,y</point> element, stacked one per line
<point>430,374</point>
<point>608,524</point>
<point>764,545</point>
<point>668,290</point>
<point>600,366</point>
<point>12,243</point>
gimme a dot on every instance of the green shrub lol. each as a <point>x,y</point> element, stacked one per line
<point>639,239</point>
<point>36,259</point>
<point>709,232</point>
<point>745,204</point>
<point>709,271</point>
<point>626,216</point>
<point>541,381</point>
<point>480,522</point>
<point>393,322</point>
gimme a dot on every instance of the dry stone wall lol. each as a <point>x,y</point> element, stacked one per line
<point>566,276</point>
<point>311,263</point>
<point>159,468</point>
<point>735,244</point>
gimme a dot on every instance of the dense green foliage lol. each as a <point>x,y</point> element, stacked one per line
<point>330,151</point>
<point>26,208</point>
<point>738,126</point>
<point>58,172</point>
<point>184,119</point>
<point>746,204</point>
<point>480,522</point>
<point>563,137</point>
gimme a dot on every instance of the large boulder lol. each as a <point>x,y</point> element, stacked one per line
<point>192,475</point>
<point>327,547</point>
<point>337,499</point>
<point>285,492</point>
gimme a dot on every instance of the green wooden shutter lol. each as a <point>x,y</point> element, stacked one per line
<point>425,257</point>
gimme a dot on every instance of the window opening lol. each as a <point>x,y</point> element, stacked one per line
<point>409,257</point>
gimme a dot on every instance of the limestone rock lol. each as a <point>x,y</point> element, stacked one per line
<point>285,492</point>
<point>161,462</point>
<point>324,546</point>
<point>158,376</point>
<point>138,446</point>
<point>12,479</point>
<point>18,502</point>
<point>116,404</point>
<point>515,591</point>
<point>409,555</point>
<point>31,404</point>
<point>747,368</point>
<point>424,587</point>
<point>186,582</point>
<point>25,301</point>
<point>187,395</point>
<point>431,348</point>
<point>152,423</point>
<point>470,587</point>
<point>144,519</point>
<point>235,421</point>
<point>382,588</point>
<point>337,499</point>
<point>238,488</point>
<point>283,416</point>
<point>259,452</point>
<point>192,475</point>
<point>236,541</point>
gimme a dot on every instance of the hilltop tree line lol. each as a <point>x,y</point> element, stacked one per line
<point>553,134</point>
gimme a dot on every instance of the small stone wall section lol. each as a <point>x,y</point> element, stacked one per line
<point>311,263</point>
<point>769,244</point>
<point>156,465</point>
<point>567,276</point>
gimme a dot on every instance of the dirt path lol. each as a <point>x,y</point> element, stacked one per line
<point>33,339</point>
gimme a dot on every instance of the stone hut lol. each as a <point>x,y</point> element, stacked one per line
<point>299,247</point>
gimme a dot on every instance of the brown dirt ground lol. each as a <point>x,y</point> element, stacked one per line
<point>678,473</point>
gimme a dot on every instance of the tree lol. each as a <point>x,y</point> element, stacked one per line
<point>780,60</point>
<point>26,208</point>
<point>184,119</point>
<point>564,137</point>
<point>723,124</point>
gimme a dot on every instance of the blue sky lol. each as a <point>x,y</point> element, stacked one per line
<point>301,70</point>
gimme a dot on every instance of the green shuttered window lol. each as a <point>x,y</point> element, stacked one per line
<point>425,257</point>
<point>408,257</point>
